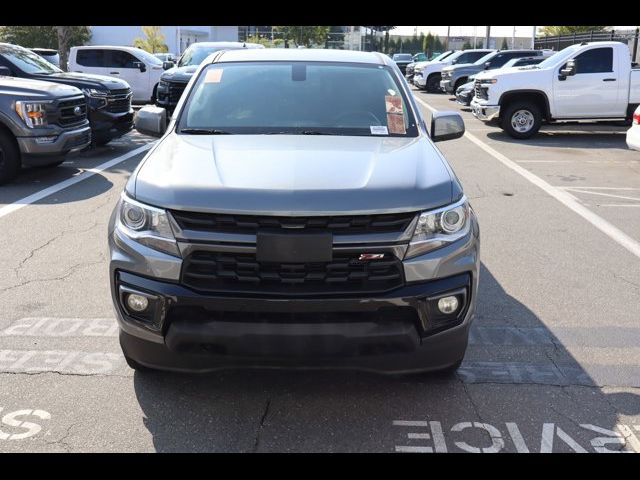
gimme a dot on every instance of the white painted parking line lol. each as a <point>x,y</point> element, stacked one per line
<point>562,196</point>
<point>23,202</point>
<point>587,192</point>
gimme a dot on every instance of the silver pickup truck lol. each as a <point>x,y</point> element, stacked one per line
<point>40,123</point>
<point>295,213</point>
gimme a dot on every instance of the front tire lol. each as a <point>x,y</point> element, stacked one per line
<point>10,162</point>
<point>433,84</point>
<point>521,120</point>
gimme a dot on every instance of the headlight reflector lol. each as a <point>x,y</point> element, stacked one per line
<point>34,114</point>
<point>146,225</point>
<point>437,228</point>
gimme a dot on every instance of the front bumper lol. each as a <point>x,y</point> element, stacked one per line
<point>633,137</point>
<point>464,97</point>
<point>419,80</point>
<point>107,125</point>
<point>35,153</point>
<point>446,86</point>
<point>484,112</point>
<point>392,332</point>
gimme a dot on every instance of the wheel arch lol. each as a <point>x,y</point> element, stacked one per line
<point>537,96</point>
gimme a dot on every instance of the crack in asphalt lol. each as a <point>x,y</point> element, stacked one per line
<point>66,275</point>
<point>256,443</point>
<point>473,403</point>
<point>67,447</point>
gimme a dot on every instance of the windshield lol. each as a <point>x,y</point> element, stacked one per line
<point>313,98</point>
<point>554,58</point>
<point>485,59</point>
<point>27,61</point>
<point>148,57</point>
<point>196,55</point>
<point>402,57</point>
<point>442,56</point>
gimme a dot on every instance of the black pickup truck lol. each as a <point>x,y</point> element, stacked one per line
<point>108,99</point>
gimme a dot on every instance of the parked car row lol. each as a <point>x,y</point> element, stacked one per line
<point>594,82</point>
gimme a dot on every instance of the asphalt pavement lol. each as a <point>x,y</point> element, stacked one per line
<point>553,362</point>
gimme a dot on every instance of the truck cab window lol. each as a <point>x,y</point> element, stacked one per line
<point>121,59</point>
<point>596,60</point>
<point>90,58</point>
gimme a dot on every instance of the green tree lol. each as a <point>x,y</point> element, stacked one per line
<point>42,36</point>
<point>566,30</point>
<point>427,46</point>
<point>505,45</point>
<point>437,44</point>
<point>154,41</point>
<point>466,45</point>
<point>59,38</point>
<point>304,35</point>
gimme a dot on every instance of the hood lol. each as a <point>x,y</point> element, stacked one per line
<point>294,174</point>
<point>85,80</point>
<point>35,89</point>
<point>179,74</point>
<point>499,72</point>
<point>462,66</point>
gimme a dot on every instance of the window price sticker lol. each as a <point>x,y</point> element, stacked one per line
<point>395,114</point>
<point>214,75</point>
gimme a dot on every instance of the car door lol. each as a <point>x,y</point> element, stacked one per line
<point>90,60</point>
<point>124,65</point>
<point>592,91</point>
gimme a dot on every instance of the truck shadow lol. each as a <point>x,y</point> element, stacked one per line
<point>574,138</point>
<point>516,370</point>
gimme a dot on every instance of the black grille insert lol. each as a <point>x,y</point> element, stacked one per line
<point>249,224</point>
<point>66,114</point>
<point>240,273</point>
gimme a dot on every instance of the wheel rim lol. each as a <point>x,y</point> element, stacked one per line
<point>522,121</point>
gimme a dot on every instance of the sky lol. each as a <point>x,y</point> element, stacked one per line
<point>497,31</point>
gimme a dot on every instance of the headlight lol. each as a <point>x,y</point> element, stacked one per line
<point>487,81</point>
<point>33,114</point>
<point>146,225</point>
<point>97,98</point>
<point>95,93</point>
<point>437,228</point>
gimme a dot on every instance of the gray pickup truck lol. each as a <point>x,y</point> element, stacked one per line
<point>40,123</point>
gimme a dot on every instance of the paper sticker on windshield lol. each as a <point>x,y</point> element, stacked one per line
<point>214,75</point>
<point>396,124</point>
<point>393,103</point>
<point>379,130</point>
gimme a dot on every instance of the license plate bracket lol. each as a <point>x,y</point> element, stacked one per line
<point>294,247</point>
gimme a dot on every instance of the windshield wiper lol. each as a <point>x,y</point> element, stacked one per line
<point>204,131</point>
<point>314,132</point>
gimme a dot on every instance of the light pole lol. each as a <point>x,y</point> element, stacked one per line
<point>487,38</point>
<point>448,33</point>
<point>533,38</point>
<point>513,39</point>
<point>475,35</point>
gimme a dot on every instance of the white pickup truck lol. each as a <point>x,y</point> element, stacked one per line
<point>587,82</point>
<point>427,74</point>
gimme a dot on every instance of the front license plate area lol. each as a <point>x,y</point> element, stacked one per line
<point>294,247</point>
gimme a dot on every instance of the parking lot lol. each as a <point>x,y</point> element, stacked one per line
<point>554,356</point>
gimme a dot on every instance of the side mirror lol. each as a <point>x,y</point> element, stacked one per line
<point>487,65</point>
<point>151,120</point>
<point>141,66</point>
<point>446,126</point>
<point>4,71</point>
<point>167,65</point>
<point>569,69</point>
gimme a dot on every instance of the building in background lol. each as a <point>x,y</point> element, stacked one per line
<point>177,38</point>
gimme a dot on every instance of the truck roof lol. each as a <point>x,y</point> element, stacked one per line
<point>306,54</point>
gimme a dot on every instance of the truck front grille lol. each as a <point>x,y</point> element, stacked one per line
<point>480,92</point>
<point>67,115</point>
<point>242,273</point>
<point>119,100</point>
<point>250,224</point>
<point>176,89</point>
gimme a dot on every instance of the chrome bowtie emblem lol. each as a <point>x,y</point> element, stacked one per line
<point>371,256</point>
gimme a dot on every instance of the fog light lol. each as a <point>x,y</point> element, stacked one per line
<point>448,305</point>
<point>137,303</point>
